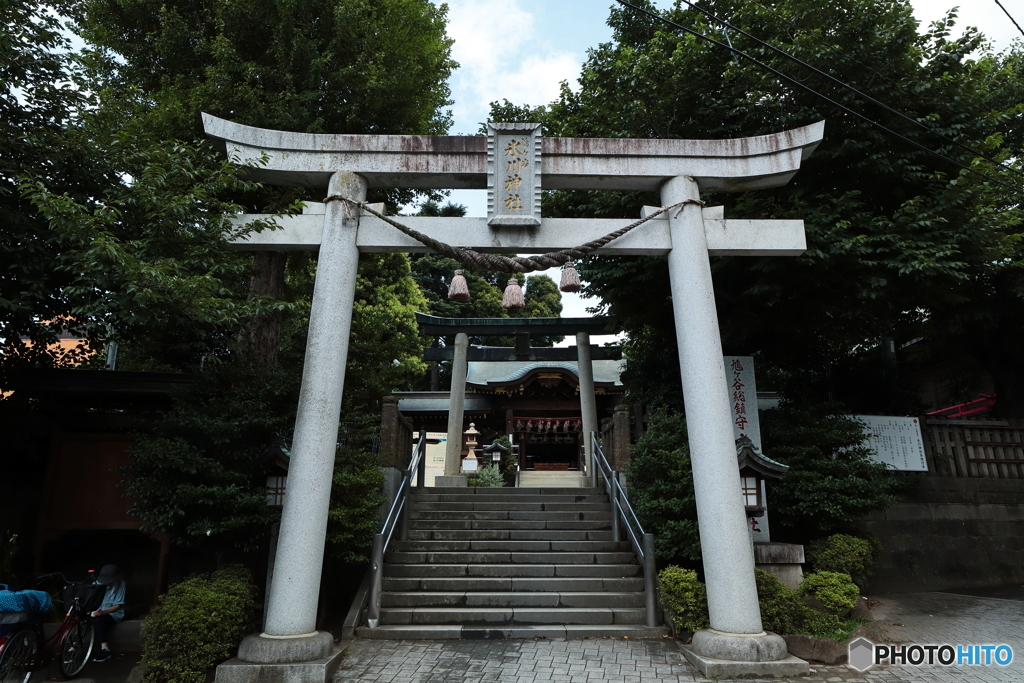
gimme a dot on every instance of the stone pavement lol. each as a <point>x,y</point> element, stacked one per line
<point>923,618</point>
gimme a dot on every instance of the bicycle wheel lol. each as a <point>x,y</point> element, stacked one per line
<point>76,648</point>
<point>19,648</point>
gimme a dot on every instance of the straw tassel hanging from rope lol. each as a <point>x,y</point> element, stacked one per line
<point>459,289</point>
<point>570,279</point>
<point>513,297</point>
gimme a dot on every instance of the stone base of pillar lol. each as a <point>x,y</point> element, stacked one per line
<point>727,655</point>
<point>261,649</point>
<point>450,480</point>
<point>316,671</point>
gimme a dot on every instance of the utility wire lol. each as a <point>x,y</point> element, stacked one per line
<point>852,89</point>
<point>1010,16</point>
<point>817,94</point>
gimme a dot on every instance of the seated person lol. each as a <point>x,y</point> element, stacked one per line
<point>111,610</point>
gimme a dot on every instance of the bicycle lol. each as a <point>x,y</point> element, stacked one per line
<point>27,649</point>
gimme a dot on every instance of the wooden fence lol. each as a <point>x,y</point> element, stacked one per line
<point>992,449</point>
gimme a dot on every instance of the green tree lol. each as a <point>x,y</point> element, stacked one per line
<point>831,481</point>
<point>901,244</point>
<point>146,251</point>
<point>326,66</point>
<point>198,473</point>
<point>38,110</point>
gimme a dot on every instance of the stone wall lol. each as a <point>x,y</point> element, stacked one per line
<point>951,533</point>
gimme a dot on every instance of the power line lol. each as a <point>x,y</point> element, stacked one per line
<point>852,89</point>
<point>817,94</point>
<point>1010,16</point>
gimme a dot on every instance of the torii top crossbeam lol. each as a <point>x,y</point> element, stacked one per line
<point>461,162</point>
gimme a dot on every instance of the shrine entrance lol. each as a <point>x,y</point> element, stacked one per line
<point>514,162</point>
<point>544,399</point>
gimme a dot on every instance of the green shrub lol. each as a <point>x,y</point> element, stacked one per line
<point>685,597</point>
<point>781,608</point>
<point>782,611</point>
<point>844,554</point>
<point>199,624</point>
<point>819,624</point>
<point>490,475</point>
<point>836,591</point>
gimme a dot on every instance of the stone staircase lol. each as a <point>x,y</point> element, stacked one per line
<point>511,563</point>
<point>559,480</point>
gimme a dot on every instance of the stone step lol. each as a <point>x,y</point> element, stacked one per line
<point>504,498</point>
<point>551,632</point>
<point>465,584</point>
<point>506,506</point>
<point>495,616</point>
<point>521,558</point>
<point>511,491</point>
<point>509,545</point>
<point>550,599</point>
<point>506,534</point>
<point>552,480</point>
<point>512,524</point>
<point>510,570</point>
<point>513,515</point>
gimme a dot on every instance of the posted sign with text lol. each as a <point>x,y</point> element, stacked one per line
<point>896,441</point>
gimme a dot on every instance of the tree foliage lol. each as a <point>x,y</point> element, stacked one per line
<point>326,66</point>
<point>831,481</point>
<point>146,264</point>
<point>38,107</point>
<point>135,251</point>
<point>661,488</point>
<point>198,473</point>
<point>901,244</point>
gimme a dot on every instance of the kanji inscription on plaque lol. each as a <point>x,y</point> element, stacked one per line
<point>513,174</point>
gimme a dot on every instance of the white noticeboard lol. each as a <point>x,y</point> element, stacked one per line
<point>435,456</point>
<point>896,441</point>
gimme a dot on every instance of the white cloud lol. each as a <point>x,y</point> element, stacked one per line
<point>502,55</point>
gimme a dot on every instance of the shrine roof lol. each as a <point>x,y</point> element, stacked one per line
<point>482,373</point>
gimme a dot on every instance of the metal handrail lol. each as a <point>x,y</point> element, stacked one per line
<point>397,518</point>
<point>642,542</point>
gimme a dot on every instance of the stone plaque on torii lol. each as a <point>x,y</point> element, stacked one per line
<point>345,166</point>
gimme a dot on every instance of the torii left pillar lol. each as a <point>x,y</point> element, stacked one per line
<point>290,633</point>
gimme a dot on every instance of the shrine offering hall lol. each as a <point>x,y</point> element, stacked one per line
<point>536,403</point>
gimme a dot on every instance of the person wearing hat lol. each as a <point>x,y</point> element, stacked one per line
<point>111,610</point>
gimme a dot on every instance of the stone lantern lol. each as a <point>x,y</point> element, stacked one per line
<point>470,462</point>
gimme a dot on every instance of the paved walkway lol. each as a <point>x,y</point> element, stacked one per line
<point>923,618</point>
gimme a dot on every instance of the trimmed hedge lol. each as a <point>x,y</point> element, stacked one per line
<point>198,624</point>
<point>844,554</point>
<point>836,592</point>
<point>685,597</point>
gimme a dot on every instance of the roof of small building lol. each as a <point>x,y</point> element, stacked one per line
<point>482,373</point>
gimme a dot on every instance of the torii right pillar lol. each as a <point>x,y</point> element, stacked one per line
<point>736,643</point>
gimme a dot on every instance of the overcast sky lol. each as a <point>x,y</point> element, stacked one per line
<point>522,51</point>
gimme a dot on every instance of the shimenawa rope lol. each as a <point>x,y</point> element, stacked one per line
<point>505,264</point>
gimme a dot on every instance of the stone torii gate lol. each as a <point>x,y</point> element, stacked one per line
<point>515,163</point>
